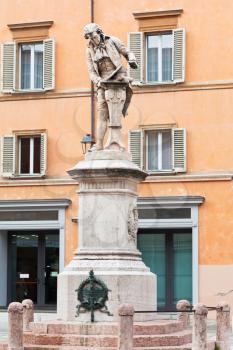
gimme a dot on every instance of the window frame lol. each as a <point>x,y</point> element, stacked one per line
<point>11,70</point>
<point>10,154</point>
<point>167,202</point>
<point>146,153</point>
<point>137,147</point>
<point>137,44</point>
<point>159,82</point>
<point>31,154</point>
<point>32,70</point>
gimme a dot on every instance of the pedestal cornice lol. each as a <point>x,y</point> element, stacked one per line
<point>107,164</point>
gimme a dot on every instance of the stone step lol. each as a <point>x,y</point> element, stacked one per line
<point>171,339</point>
<point>58,327</point>
<point>175,347</point>
<point>57,347</point>
<point>63,347</point>
<point>71,340</point>
<point>210,346</point>
<point>3,346</point>
<point>159,327</point>
<point>177,338</point>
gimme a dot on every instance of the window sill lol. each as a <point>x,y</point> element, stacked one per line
<point>38,91</point>
<point>146,84</point>
<point>161,172</point>
<point>25,176</point>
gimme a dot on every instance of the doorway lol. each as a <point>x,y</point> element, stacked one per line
<point>168,253</point>
<point>33,266</point>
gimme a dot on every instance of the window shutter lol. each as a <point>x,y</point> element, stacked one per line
<point>135,44</point>
<point>179,149</point>
<point>8,155</point>
<point>8,67</point>
<point>49,65</point>
<point>135,146</point>
<point>178,70</point>
<point>43,154</point>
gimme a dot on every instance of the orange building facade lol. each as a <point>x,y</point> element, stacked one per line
<point>178,128</point>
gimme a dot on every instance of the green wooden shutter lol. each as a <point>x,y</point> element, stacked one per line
<point>8,67</point>
<point>49,64</point>
<point>43,154</point>
<point>135,45</point>
<point>179,149</point>
<point>178,69</point>
<point>8,155</point>
<point>135,146</point>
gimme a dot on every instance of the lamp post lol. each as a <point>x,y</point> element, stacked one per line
<point>87,143</point>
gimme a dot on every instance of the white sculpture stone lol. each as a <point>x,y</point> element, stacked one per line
<point>107,237</point>
<point>107,217</point>
<point>106,71</point>
<point>115,95</point>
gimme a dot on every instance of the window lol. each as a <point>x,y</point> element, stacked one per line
<point>29,155</point>
<point>23,215</point>
<point>31,66</point>
<point>162,213</point>
<point>168,253</point>
<point>159,150</point>
<point>28,66</point>
<point>160,56</point>
<point>24,155</point>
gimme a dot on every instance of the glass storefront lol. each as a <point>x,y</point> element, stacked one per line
<point>33,266</point>
<point>168,253</point>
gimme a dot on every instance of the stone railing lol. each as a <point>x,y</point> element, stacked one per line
<point>222,326</point>
<point>200,312</point>
<point>125,338</point>
<point>19,317</point>
<point>21,314</point>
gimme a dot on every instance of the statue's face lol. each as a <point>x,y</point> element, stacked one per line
<point>95,38</point>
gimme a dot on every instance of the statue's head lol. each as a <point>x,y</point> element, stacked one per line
<point>93,32</point>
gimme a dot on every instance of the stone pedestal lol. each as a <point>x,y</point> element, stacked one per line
<point>107,226</point>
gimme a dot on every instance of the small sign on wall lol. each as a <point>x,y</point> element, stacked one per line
<point>54,274</point>
<point>24,275</point>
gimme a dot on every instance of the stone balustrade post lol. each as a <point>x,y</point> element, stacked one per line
<point>183,305</point>
<point>28,313</point>
<point>223,325</point>
<point>200,327</point>
<point>15,326</point>
<point>125,338</point>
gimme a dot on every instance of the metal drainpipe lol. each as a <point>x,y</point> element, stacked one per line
<point>92,88</point>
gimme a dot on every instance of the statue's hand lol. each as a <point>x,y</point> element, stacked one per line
<point>133,64</point>
<point>99,83</point>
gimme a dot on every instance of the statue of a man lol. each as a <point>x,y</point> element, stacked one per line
<point>104,63</point>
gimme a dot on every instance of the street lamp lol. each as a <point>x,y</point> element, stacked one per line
<point>87,143</point>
